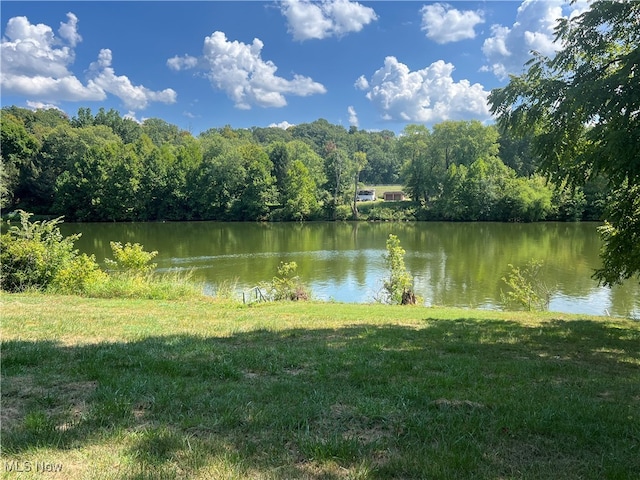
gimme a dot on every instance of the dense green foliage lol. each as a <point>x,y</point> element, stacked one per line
<point>104,167</point>
<point>399,286</point>
<point>286,285</point>
<point>130,259</point>
<point>35,256</point>
<point>32,254</point>
<point>581,112</point>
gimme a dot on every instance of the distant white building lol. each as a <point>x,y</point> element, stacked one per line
<point>366,195</point>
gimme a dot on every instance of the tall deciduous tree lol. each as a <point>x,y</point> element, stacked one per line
<point>584,108</point>
<point>417,169</point>
<point>338,166</point>
<point>279,156</point>
<point>17,147</point>
<point>299,200</point>
<point>462,143</point>
<point>359,162</point>
<point>257,191</point>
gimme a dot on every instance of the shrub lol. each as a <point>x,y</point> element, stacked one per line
<point>390,214</point>
<point>399,285</point>
<point>527,290</point>
<point>80,275</point>
<point>287,285</point>
<point>131,276</point>
<point>32,254</point>
<point>343,212</point>
<point>35,255</point>
<point>130,259</point>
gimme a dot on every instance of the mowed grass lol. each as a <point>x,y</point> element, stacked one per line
<point>146,389</point>
<point>380,189</point>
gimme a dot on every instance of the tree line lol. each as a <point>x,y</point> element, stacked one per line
<point>572,119</point>
<point>105,167</point>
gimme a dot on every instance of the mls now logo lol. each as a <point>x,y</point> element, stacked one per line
<point>41,467</point>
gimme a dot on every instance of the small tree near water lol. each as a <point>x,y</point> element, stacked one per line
<point>526,288</point>
<point>287,285</point>
<point>131,259</point>
<point>399,285</point>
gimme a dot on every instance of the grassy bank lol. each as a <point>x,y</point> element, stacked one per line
<point>137,389</point>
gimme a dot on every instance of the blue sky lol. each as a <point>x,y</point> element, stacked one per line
<point>377,65</point>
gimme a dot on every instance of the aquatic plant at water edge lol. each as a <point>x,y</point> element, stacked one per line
<point>399,285</point>
<point>526,288</point>
<point>130,258</point>
<point>287,285</point>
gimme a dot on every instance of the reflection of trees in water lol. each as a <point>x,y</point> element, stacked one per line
<point>462,264</point>
<point>453,263</point>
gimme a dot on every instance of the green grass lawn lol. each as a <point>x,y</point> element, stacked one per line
<point>380,189</point>
<point>143,389</point>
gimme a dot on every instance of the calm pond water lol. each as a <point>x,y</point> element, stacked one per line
<point>453,264</point>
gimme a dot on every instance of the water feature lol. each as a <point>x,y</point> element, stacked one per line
<point>454,264</point>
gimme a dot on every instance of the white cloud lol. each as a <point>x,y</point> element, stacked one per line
<point>429,95</point>
<point>307,19</point>
<point>238,69</point>
<point>353,116</point>
<point>445,24</point>
<point>35,63</point>
<point>33,50</point>
<point>42,106</point>
<point>509,47</point>
<point>50,89</point>
<point>283,125</point>
<point>69,30</point>
<point>362,83</point>
<point>182,63</point>
<point>135,97</point>
<point>132,116</point>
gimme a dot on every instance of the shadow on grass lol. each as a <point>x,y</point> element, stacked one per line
<point>452,398</point>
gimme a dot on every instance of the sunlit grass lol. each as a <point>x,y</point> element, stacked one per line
<point>202,388</point>
<point>155,286</point>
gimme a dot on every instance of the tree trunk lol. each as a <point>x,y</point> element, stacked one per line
<point>354,209</point>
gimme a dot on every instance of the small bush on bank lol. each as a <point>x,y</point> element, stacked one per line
<point>33,253</point>
<point>287,285</point>
<point>389,214</point>
<point>130,259</point>
<point>36,256</point>
<point>399,285</point>
<point>78,276</point>
<point>525,287</point>
<point>343,212</point>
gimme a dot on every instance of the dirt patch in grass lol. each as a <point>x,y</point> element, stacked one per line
<point>17,391</point>
<point>460,404</point>
<point>523,457</point>
<point>354,425</point>
<point>66,400</point>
